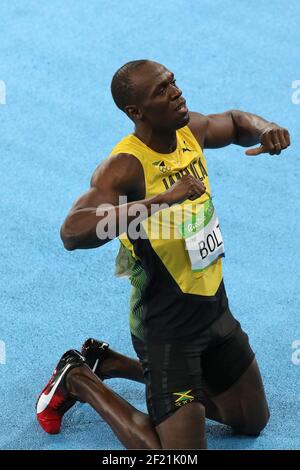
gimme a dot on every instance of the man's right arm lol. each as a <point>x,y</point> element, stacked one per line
<point>119,175</point>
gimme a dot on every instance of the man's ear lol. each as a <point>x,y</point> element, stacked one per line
<point>134,112</point>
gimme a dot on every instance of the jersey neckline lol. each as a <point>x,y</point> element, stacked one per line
<point>164,155</point>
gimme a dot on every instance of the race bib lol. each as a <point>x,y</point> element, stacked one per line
<point>203,237</point>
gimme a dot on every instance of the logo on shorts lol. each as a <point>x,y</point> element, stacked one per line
<point>183,398</point>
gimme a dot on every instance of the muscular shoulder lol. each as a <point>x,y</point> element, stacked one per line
<point>198,125</point>
<point>122,171</point>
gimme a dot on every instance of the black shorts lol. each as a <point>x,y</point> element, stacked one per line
<point>180,372</point>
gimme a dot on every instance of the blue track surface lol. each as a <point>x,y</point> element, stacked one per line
<point>57,59</point>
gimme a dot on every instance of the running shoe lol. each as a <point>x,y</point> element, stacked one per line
<point>54,399</point>
<point>94,351</point>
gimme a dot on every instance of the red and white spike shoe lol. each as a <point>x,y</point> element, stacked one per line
<point>54,399</point>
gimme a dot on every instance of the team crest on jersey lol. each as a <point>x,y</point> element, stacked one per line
<point>183,398</point>
<point>163,168</point>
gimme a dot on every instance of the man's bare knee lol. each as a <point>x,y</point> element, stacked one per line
<point>146,431</point>
<point>184,429</point>
<point>254,425</point>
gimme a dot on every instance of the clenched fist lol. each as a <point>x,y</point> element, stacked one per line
<point>273,139</point>
<point>187,187</point>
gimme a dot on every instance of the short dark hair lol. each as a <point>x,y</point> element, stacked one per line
<point>122,88</point>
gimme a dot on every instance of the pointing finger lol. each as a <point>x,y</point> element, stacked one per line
<point>255,151</point>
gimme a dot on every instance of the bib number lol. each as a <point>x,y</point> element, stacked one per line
<point>203,237</point>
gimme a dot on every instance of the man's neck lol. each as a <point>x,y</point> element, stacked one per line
<point>159,141</point>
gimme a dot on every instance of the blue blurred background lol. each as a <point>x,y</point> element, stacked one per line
<point>59,121</point>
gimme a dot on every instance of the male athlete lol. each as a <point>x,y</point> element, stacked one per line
<point>194,357</point>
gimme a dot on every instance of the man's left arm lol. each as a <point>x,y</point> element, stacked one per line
<point>240,128</point>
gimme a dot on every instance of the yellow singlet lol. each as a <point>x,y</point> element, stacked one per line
<point>173,297</point>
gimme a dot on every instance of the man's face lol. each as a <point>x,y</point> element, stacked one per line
<point>159,100</point>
